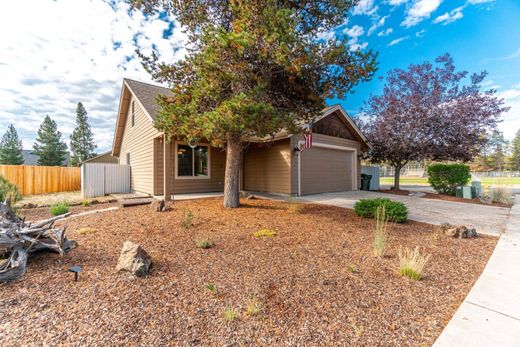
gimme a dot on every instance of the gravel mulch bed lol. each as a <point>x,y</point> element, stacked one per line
<point>444,197</point>
<point>317,280</point>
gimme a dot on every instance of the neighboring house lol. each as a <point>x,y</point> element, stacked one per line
<point>274,166</point>
<point>29,158</point>
<point>105,158</point>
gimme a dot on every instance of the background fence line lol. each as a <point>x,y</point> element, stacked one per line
<point>33,180</point>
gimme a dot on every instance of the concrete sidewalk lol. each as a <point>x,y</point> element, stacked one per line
<point>490,314</point>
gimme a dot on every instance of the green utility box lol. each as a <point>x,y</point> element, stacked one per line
<point>365,181</point>
<point>466,192</point>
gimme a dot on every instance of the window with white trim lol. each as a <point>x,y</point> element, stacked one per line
<point>192,162</point>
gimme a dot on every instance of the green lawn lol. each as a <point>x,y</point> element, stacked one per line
<point>424,181</point>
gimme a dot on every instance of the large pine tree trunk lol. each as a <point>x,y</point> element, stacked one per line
<point>232,179</point>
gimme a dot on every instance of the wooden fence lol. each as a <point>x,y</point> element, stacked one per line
<point>33,180</point>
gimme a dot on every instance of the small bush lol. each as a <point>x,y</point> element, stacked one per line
<point>502,195</point>
<point>445,178</point>
<point>411,263</point>
<point>8,189</point>
<point>229,314</point>
<point>85,203</point>
<point>86,231</point>
<point>265,233</point>
<point>380,236</point>
<point>352,268</point>
<point>204,243</point>
<point>211,287</point>
<point>254,307</point>
<point>187,221</point>
<point>395,211</point>
<point>295,208</point>
<point>59,208</point>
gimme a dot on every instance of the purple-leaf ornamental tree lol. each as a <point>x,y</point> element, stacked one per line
<point>429,112</point>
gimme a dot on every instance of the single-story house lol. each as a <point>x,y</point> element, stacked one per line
<point>274,166</point>
<point>105,158</point>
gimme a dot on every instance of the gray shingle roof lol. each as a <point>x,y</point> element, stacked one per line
<point>147,95</point>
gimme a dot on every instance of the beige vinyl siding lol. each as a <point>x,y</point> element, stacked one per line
<point>313,163</point>
<point>267,167</point>
<point>138,141</point>
<point>191,185</point>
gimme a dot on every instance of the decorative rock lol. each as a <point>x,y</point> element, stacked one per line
<point>460,231</point>
<point>134,259</point>
<point>159,206</point>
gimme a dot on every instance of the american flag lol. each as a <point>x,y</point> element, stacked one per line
<point>307,136</point>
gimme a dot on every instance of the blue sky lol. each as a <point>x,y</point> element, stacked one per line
<point>56,53</point>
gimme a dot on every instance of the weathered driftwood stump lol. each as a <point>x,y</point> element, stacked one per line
<point>18,239</point>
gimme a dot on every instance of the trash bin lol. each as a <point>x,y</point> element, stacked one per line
<point>365,181</point>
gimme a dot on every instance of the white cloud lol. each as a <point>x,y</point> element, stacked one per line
<point>365,7</point>
<point>354,45</point>
<point>450,17</point>
<point>397,2</point>
<point>398,40</point>
<point>420,33</point>
<point>385,32</point>
<point>420,10</point>
<point>355,31</point>
<point>510,120</point>
<point>377,25</point>
<point>58,53</point>
<point>476,2</point>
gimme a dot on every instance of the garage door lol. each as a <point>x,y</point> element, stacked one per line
<point>326,170</point>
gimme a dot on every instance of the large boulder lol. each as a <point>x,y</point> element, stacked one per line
<point>460,231</point>
<point>134,259</point>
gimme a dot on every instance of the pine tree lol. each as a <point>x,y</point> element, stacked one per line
<point>11,148</point>
<point>48,146</point>
<point>81,141</point>
<point>515,149</point>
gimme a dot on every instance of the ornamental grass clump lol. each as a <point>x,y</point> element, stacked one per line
<point>204,243</point>
<point>187,220</point>
<point>381,235</point>
<point>502,195</point>
<point>254,307</point>
<point>412,262</point>
<point>265,233</point>
<point>229,314</point>
<point>60,208</point>
<point>295,208</point>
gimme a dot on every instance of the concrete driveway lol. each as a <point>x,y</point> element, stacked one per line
<point>485,219</point>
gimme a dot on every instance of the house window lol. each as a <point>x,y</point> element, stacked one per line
<point>192,162</point>
<point>127,158</point>
<point>133,113</point>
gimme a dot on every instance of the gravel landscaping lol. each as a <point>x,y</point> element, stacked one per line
<point>313,281</point>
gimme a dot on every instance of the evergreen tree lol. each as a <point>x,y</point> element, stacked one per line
<point>81,141</point>
<point>515,155</point>
<point>48,146</point>
<point>11,148</point>
<point>254,68</point>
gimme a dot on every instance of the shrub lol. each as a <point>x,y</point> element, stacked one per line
<point>204,243</point>
<point>381,236</point>
<point>60,208</point>
<point>265,233</point>
<point>187,221</point>
<point>395,211</point>
<point>445,178</point>
<point>502,195</point>
<point>229,314</point>
<point>85,203</point>
<point>254,307</point>
<point>352,268</point>
<point>411,263</point>
<point>295,208</point>
<point>8,189</point>
<point>211,287</point>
